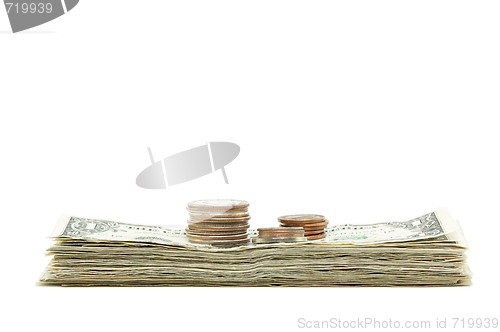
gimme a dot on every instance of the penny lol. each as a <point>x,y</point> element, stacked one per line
<point>278,239</point>
<point>220,243</point>
<point>303,218</point>
<point>316,237</point>
<point>308,229</point>
<point>211,232</point>
<point>313,232</point>
<point>296,224</point>
<point>279,229</point>
<point>217,237</point>
<point>215,204</point>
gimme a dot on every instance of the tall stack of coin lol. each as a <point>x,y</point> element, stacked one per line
<point>280,234</point>
<point>313,224</point>
<point>218,222</point>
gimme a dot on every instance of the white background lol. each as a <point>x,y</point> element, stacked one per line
<point>364,111</point>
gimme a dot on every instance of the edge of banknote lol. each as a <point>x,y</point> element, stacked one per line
<point>440,221</point>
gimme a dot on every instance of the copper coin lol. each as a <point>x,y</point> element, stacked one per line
<point>279,229</point>
<point>309,228</point>
<point>220,228</point>
<point>313,232</point>
<point>220,243</point>
<point>296,224</point>
<point>218,204</point>
<point>303,218</point>
<point>307,225</point>
<point>218,238</point>
<point>316,237</point>
<point>211,232</point>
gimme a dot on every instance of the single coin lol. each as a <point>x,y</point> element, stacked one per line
<point>316,237</point>
<point>211,232</point>
<point>297,224</point>
<point>218,214</point>
<point>239,225</point>
<point>222,210</point>
<point>220,228</point>
<point>282,234</point>
<point>217,224</point>
<point>216,209</point>
<point>307,229</point>
<point>313,232</point>
<point>278,239</point>
<point>217,238</point>
<point>222,213</point>
<point>279,229</point>
<point>220,243</point>
<point>305,218</point>
<point>218,204</point>
<point>220,220</point>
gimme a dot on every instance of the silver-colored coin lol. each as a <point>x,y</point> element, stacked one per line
<point>207,237</point>
<point>220,242</point>
<point>218,228</point>
<point>282,235</point>
<point>216,214</point>
<point>216,223</point>
<point>215,233</point>
<point>218,203</point>
<point>220,220</point>
<point>278,239</point>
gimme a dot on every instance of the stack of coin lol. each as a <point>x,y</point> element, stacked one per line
<point>280,234</point>
<point>218,222</point>
<point>313,224</point>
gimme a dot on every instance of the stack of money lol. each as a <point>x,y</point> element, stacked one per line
<point>222,222</point>
<point>280,234</point>
<point>313,224</point>
<point>424,251</point>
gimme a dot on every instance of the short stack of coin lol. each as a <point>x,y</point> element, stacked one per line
<point>313,224</point>
<point>280,234</point>
<point>218,222</point>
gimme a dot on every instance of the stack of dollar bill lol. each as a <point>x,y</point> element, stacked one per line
<point>425,251</point>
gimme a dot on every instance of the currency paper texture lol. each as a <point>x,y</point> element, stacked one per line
<point>434,224</point>
<point>425,251</point>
